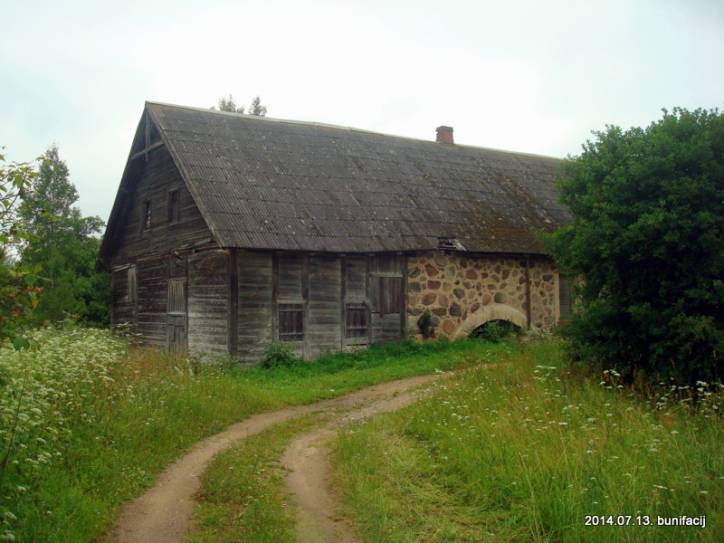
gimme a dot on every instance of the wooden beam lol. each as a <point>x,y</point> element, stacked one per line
<point>233,278</point>
<point>144,152</point>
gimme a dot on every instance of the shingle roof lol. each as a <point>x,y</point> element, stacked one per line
<point>272,184</point>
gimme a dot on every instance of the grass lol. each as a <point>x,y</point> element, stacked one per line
<point>243,497</point>
<point>523,452</point>
<point>98,427</point>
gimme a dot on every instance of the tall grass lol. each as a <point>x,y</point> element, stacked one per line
<point>524,452</point>
<point>86,423</point>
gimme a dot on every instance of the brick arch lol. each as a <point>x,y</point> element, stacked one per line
<point>491,312</point>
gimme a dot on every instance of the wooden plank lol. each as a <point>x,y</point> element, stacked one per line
<point>403,309</point>
<point>343,298</point>
<point>146,150</point>
<point>255,303</point>
<point>275,297</point>
<point>323,311</point>
<point>208,303</point>
<point>233,334</point>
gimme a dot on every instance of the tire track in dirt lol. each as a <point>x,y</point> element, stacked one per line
<point>309,472</point>
<point>163,514</point>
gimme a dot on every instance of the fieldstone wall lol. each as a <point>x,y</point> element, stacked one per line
<point>463,291</point>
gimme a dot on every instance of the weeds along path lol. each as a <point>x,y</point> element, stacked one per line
<point>309,474</point>
<point>163,513</point>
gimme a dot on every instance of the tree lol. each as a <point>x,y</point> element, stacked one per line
<point>227,103</point>
<point>647,245</point>
<point>62,245</point>
<point>18,286</point>
<point>257,108</point>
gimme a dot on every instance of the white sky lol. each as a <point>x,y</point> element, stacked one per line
<point>528,76</point>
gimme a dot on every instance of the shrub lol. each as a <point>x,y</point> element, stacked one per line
<point>495,331</point>
<point>647,242</point>
<point>279,354</point>
<point>424,323</point>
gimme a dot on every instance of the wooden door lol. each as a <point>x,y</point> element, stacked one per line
<point>176,316</point>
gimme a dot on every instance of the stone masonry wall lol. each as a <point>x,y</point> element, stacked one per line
<point>461,291</point>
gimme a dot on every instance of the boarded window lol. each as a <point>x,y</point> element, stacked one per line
<point>132,292</point>
<point>565,298</point>
<point>146,217</point>
<point>357,321</point>
<point>387,294</point>
<point>176,296</point>
<point>291,322</point>
<point>173,206</point>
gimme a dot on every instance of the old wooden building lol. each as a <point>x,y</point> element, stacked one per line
<point>232,231</point>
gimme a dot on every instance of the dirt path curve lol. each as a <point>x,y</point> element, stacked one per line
<point>163,513</point>
<point>309,473</point>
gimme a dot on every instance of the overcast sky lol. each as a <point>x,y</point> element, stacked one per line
<point>527,76</point>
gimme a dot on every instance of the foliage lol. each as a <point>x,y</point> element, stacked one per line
<point>425,325</point>
<point>523,451</point>
<point>46,389</point>
<point>19,290</point>
<point>121,419</point>
<point>278,354</point>
<point>257,108</point>
<point>227,103</point>
<point>647,242</point>
<point>495,331</point>
<point>62,245</point>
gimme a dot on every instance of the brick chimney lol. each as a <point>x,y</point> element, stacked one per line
<point>445,134</point>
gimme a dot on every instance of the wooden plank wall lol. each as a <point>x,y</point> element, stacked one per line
<point>386,326</point>
<point>323,285</point>
<point>255,303</point>
<point>156,179</point>
<point>324,327</point>
<point>152,280</point>
<point>208,303</point>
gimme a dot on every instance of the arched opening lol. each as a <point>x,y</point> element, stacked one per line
<point>495,330</point>
<point>491,312</point>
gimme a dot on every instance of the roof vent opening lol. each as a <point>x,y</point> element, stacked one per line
<point>445,134</point>
<point>450,244</point>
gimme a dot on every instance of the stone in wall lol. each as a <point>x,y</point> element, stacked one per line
<point>454,286</point>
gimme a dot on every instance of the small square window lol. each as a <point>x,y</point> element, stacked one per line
<point>291,322</point>
<point>173,206</point>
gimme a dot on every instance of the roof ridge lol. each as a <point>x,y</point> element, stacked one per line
<point>342,127</point>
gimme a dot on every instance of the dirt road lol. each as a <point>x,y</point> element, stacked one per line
<point>163,513</point>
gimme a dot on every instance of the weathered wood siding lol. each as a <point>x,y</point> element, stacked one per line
<point>208,303</point>
<point>255,304</point>
<point>155,180</point>
<point>319,289</point>
<point>324,325</point>
<point>386,297</point>
<point>152,250</point>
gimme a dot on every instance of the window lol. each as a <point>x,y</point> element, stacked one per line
<point>176,296</point>
<point>173,206</point>
<point>356,321</point>
<point>291,322</point>
<point>146,217</point>
<point>132,291</point>
<point>565,299</point>
<point>388,295</point>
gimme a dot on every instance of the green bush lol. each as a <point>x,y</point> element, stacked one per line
<point>647,243</point>
<point>279,354</point>
<point>424,323</point>
<point>495,331</point>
